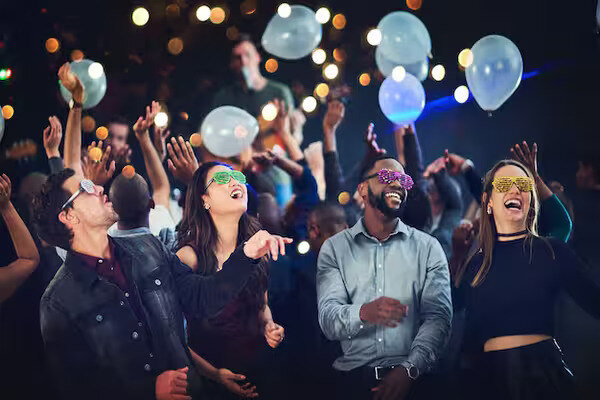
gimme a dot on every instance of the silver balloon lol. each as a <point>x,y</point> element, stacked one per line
<point>92,77</point>
<point>293,37</point>
<point>404,38</point>
<point>228,130</point>
<point>419,69</point>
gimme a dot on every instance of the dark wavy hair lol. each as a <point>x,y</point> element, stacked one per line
<point>198,231</point>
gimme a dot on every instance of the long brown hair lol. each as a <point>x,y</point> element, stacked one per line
<point>487,230</point>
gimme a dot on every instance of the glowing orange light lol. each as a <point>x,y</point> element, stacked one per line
<point>339,21</point>
<point>322,90</point>
<point>102,133</point>
<point>128,171</point>
<point>8,111</point>
<point>196,140</point>
<point>95,153</point>
<point>175,46</point>
<point>88,124</point>
<point>173,10</point>
<point>364,79</point>
<point>184,116</point>
<point>344,198</point>
<point>217,15</point>
<point>52,45</point>
<point>414,4</point>
<point>339,54</point>
<point>77,55</point>
<point>271,65</point>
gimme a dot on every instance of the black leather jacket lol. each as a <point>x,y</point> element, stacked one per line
<point>99,349</point>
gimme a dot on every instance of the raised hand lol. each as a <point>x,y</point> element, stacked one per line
<point>142,124</point>
<point>172,385</point>
<point>435,167</point>
<point>274,334</point>
<point>281,123</point>
<point>528,157</point>
<point>264,159</point>
<point>71,82</point>
<point>231,381</point>
<point>5,188</point>
<point>383,311</point>
<point>395,386</point>
<point>373,149</point>
<point>52,137</point>
<point>262,243</point>
<point>160,136</point>
<point>334,116</point>
<point>182,160</point>
<point>96,170</point>
<point>454,163</point>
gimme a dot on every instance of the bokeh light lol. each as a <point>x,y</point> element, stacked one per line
<point>364,79</point>
<point>339,54</point>
<point>303,247</point>
<point>438,72</point>
<point>196,140</point>
<point>248,7</point>
<point>88,123</point>
<point>184,116</point>
<point>339,21</point>
<point>465,58</point>
<point>173,11</point>
<point>319,56</point>
<point>140,16</point>
<point>95,153</point>
<point>102,133</point>
<point>398,73</point>
<point>269,112</point>
<point>203,13</point>
<point>414,4</point>
<point>344,198</point>
<point>232,33</point>
<point>95,70</point>
<point>271,65</point>
<point>77,55</point>
<point>52,45</point>
<point>322,90</point>
<point>217,15</point>
<point>322,15</point>
<point>330,71</point>
<point>161,119</point>
<point>309,104</point>
<point>8,111</point>
<point>175,46</point>
<point>284,10</point>
<point>461,94</point>
<point>128,171</point>
<point>374,37</point>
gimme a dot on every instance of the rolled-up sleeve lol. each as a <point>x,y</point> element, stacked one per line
<point>338,317</point>
<point>435,310</point>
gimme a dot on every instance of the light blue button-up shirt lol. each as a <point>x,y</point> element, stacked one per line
<point>355,268</point>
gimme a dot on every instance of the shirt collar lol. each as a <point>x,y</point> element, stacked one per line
<point>359,227</point>
<point>84,267</point>
<point>130,232</point>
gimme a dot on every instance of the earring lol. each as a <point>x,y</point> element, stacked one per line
<point>207,206</point>
<point>489,210</point>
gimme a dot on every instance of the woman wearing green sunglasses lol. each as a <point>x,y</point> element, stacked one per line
<point>214,223</point>
<point>509,288</point>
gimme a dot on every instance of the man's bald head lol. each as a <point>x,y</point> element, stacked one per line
<point>131,200</point>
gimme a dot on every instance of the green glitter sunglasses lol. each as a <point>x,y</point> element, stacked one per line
<point>223,177</point>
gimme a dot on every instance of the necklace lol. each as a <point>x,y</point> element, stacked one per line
<point>512,234</point>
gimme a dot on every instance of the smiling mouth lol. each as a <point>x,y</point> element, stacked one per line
<point>237,194</point>
<point>513,204</point>
<point>393,195</point>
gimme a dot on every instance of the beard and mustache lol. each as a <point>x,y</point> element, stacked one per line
<point>379,203</point>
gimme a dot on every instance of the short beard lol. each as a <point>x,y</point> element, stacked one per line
<point>380,204</point>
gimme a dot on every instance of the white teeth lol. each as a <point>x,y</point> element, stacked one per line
<point>513,203</point>
<point>236,194</point>
<point>393,194</point>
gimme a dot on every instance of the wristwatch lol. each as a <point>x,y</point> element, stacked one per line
<point>411,369</point>
<point>75,104</point>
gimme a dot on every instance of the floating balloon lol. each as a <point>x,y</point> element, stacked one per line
<point>93,79</point>
<point>405,40</point>
<point>293,37</point>
<point>402,102</point>
<point>227,130</point>
<point>419,69</point>
<point>495,72</point>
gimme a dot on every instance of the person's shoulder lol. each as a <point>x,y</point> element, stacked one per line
<point>188,256</point>
<point>280,87</point>
<point>422,238</point>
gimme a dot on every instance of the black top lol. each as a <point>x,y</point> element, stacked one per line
<point>519,292</point>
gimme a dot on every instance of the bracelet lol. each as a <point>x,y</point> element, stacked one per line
<point>75,104</point>
<point>466,165</point>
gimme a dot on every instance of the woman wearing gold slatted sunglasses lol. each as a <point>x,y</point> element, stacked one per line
<point>509,288</point>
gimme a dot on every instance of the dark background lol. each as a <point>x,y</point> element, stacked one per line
<point>557,108</point>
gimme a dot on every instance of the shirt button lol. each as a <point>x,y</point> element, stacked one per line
<point>135,335</point>
<point>361,326</point>
<point>151,355</point>
<point>157,281</point>
<point>100,261</point>
<point>126,294</point>
<point>380,339</point>
<point>379,266</point>
<point>122,303</point>
<point>349,337</point>
<point>99,317</point>
<point>380,290</point>
<point>380,244</point>
<point>147,367</point>
<point>140,324</point>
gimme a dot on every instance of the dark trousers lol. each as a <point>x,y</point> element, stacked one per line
<point>532,372</point>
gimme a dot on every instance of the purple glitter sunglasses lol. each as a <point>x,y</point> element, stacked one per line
<point>388,176</point>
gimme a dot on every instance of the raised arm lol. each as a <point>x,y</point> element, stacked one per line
<point>73,134</point>
<point>13,275</point>
<point>182,160</point>
<point>281,126</point>
<point>161,189</point>
<point>52,138</point>
<point>334,179</point>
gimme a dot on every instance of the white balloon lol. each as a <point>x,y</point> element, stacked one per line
<point>404,38</point>
<point>495,72</point>
<point>94,85</point>
<point>419,69</point>
<point>402,102</point>
<point>293,37</point>
<point>228,130</point>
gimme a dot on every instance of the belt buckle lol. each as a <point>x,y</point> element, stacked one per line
<point>381,370</point>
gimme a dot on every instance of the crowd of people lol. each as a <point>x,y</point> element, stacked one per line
<point>274,274</point>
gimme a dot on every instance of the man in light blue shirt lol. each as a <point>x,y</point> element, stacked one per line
<point>383,291</point>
